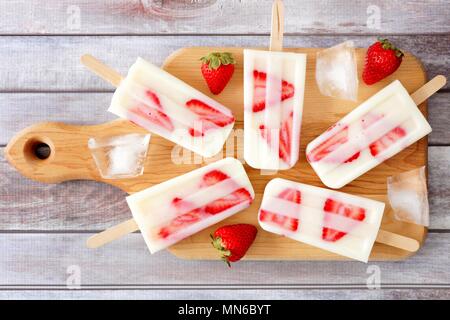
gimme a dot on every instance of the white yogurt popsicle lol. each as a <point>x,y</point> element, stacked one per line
<point>379,128</point>
<point>338,222</point>
<point>274,84</point>
<point>175,209</point>
<point>161,103</point>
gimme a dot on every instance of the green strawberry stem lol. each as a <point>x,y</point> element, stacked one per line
<point>224,253</point>
<point>387,45</point>
<point>215,59</point>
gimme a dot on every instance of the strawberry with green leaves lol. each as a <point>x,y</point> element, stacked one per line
<point>382,59</point>
<point>233,241</point>
<point>217,70</point>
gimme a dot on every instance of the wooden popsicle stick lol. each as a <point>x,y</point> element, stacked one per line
<point>277,29</point>
<point>129,226</point>
<point>126,227</point>
<point>111,234</point>
<point>428,89</point>
<point>398,241</point>
<point>102,70</point>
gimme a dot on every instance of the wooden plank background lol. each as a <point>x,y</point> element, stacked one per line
<point>43,227</point>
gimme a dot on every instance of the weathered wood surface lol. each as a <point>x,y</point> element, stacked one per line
<point>20,110</point>
<point>40,260</point>
<point>52,63</point>
<point>225,17</point>
<point>28,205</point>
<point>242,294</point>
<point>35,71</point>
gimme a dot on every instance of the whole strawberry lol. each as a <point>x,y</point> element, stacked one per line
<point>233,241</point>
<point>382,59</point>
<point>217,70</point>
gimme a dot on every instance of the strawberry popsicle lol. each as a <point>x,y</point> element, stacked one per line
<point>338,222</point>
<point>167,106</point>
<point>274,85</point>
<point>379,128</point>
<point>177,208</point>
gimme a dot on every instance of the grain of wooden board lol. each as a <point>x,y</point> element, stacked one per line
<point>224,17</point>
<point>70,158</point>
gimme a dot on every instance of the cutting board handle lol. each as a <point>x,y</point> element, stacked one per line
<point>53,152</point>
<point>67,158</point>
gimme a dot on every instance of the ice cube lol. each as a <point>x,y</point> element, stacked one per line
<point>119,157</point>
<point>407,193</point>
<point>336,71</point>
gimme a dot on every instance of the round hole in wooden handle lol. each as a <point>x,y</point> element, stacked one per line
<point>52,152</point>
<point>38,150</point>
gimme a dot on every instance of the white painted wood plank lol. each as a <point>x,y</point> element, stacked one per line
<point>43,260</point>
<point>87,205</point>
<point>439,119</point>
<point>52,63</point>
<point>19,110</point>
<point>438,188</point>
<point>225,17</point>
<point>272,294</point>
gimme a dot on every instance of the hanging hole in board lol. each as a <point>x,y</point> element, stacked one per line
<point>42,150</point>
<point>38,150</point>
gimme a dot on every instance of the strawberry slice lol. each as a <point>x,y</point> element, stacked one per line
<point>353,157</point>
<point>180,221</point>
<point>187,218</point>
<point>164,232</point>
<point>153,98</point>
<point>203,126</point>
<point>385,141</point>
<point>229,201</point>
<point>195,133</point>
<point>329,145</point>
<point>213,177</point>
<point>264,133</point>
<point>287,90</point>
<point>285,139</point>
<point>287,223</point>
<point>259,90</point>
<point>284,148</point>
<point>291,194</point>
<point>343,209</point>
<point>154,116</point>
<point>208,113</point>
<point>224,203</point>
<point>217,206</point>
